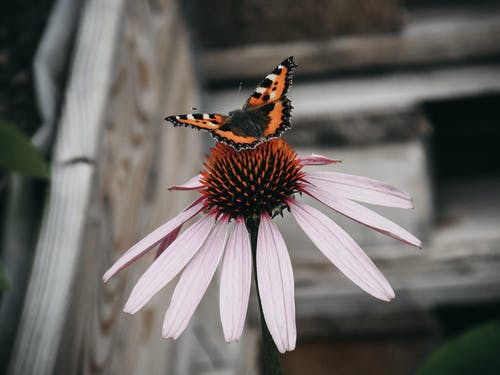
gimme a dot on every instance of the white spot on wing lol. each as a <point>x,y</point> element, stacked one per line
<point>190,117</point>
<point>272,95</point>
<point>260,90</point>
<point>272,77</point>
<point>205,116</point>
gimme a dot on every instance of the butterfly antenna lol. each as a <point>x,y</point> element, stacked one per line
<point>240,86</point>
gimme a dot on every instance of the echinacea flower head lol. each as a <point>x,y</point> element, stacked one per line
<point>254,186</point>
<point>249,183</point>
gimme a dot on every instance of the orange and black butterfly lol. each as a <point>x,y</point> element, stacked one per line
<point>265,115</point>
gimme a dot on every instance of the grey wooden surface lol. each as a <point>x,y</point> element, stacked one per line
<point>447,35</point>
<point>335,99</point>
<point>113,160</point>
<point>56,258</point>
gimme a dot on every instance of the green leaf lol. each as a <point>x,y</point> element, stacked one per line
<point>17,153</point>
<point>475,352</point>
<point>4,283</point>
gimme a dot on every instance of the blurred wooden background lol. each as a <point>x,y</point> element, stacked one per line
<point>403,91</point>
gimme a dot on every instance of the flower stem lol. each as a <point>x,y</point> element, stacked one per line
<point>270,354</point>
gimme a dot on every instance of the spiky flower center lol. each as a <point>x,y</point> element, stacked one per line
<point>250,182</point>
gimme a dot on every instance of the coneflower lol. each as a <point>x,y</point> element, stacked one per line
<point>240,193</point>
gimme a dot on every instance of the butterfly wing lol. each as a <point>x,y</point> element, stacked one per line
<point>274,86</point>
<point>218,126</point>
<point>279,117</point>
<point>200,121</point>
<point>238,142</point>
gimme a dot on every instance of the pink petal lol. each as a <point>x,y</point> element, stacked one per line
<point>193,184</point>
<point>194,281</point>
<point>363,215</point>
<point>315,159</point>
<point>360,189</point>
<point>276,288</point>
<point>168,240</point>
<point>341,250</point>
<point>235,282</point>
<point>152,239</point>
<point>169,263</point>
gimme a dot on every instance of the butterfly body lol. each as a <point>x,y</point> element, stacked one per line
<point>265,115</point>
<point>245,123</point>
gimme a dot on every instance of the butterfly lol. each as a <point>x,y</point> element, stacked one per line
<point>265,115</point>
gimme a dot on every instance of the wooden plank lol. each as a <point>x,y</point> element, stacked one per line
<point>359,129</point>
<point>421,281</point>
<point>430,36</point>
<point>313,19</point>
<point>50,282</point>
<point>138,158</point>
<point>333,99</point>
<point>57,251</point>
<point>130,159</point>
